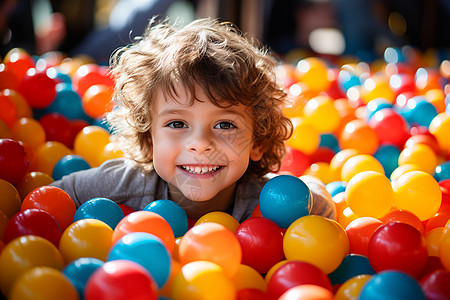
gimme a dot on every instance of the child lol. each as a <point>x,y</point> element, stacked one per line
<point>198,116</point>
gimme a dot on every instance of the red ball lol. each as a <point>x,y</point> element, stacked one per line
<point>90,74</point>
<point>57,128</point>
<point>390,127</point>
<point>261,241</point>
<point>121,279</point>
<point>53,200</point>
<point>359,232</point>
<point>436,285</point>
<point>294,273</point>
<point>33,222</point>
<point>13,160</point>
<point>401,215</point>
<point>38,88</point>
<point>399,246</point>
<point>294,162</point>
<point>126,209</point>
<point>253,294</point>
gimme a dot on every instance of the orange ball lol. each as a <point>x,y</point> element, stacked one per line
<point>358,135</point>
<point>29,131</point>
<point>10,200</point>
<point>206,242</point>
<point>31,181</point>
<point>97,101</point>
<point>8,113</point>
<point>23,108</point>
<point>220,217</point>
<point>146,221</point>
<point>48,155</point>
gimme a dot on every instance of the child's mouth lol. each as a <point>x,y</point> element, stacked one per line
<point>200,170</point>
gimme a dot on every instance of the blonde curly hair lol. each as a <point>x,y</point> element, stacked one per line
<point>214,55</point>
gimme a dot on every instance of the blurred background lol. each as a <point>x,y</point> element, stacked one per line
<point>363,28</point>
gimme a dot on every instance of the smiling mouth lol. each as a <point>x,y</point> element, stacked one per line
<point>200,170</point>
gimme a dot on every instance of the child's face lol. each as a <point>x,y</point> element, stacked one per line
<point>200,149</point>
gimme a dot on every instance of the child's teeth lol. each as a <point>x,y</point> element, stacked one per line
<point>204,169</point>
<point>198,169</point>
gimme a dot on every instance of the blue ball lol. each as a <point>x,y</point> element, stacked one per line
<point>69,164</point>
<point>148,251</point>
<point>102,209</point>
<point>284,199</point>
<point>329,140</point>
<point>79,271</point>
<point>352,265</point>
<point>393,285</point>
<point>387,155</point>
<point>418,111</point>
<point>173,213</point>
<point>375,105</point>
<point>442,171</point>
<point>336,187</point>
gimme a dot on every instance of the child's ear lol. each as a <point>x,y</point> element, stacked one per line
<point>256,153</point>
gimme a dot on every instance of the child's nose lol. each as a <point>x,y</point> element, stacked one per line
<point>200,142</point>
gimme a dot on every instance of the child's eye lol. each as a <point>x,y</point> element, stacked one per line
<point>176,124</point>
<point>225,125</point>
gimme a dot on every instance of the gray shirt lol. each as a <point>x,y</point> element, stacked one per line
<point>124,182</point>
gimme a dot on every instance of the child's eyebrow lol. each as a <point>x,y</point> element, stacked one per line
<point>171,112</point>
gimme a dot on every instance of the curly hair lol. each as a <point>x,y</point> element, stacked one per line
<point>214,55</point>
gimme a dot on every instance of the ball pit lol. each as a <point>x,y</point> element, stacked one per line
<point>377,134</point>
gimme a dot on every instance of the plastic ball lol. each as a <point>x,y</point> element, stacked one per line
<point>24,253</point>
<point>10,200</point>
<point>358,135</point>
<point>305,137</point>
<point>442,171</point>
<point>67,103</point>
<point>399,215</point>
<point>48,155</point>
<point>420,155</point>
<point>5,132</point>
<point>23,109</point>
<point>400,170</point>
<point>8,79</point>
<point>31,181</point>
<point>444,249</point>
<point>97,100</point>
<point>426,139</point>
<point>313,72</point>
<point>435,285</point>
<point>43,283</point>
<point>80,270</point>
<point>90,142</point>
<point>369,194</point>
<point>321,171</point>
<point>252,294</point>
<point>147,250</point>
<point>110,151</point>
<point>399,246</point>
<point>390,127</point>
<point>294,162</point>
<point>57,128</point>
<point>202,280</point>
<point>350,289</point>
<point>8,113</point>
<point>53,200</point>
<point>33,222</point>
<point>419,111</point>
<point>294,273</point>
<point>91,74</point>
<point>387,155</point>
<point>121,279</point>
<point>348,79</point>
<point>145,221</point>
<point>29,131</point>
<point>204,242</point>
<point>68,165</point>
<point>419,193</point>
<point>391,285</point>
<point>37,88</point>
<point>352,265</point>
<point>360,163</point>
<point>102,209</point>
<point>376,105</point>
<point>359,232</point>
<point>284,199</point>
<point>307,292</point>
<point>172,212</point>
<point>3,222</point>
<point>248,278</point>
<point>336,187</point>
<point>322,114</point>
<point>18,61</point>
<point>220,217</point>
<point>440,127</point>
<point>13,161</point>
<point>317,240</point>
<point>261,241</point>
<point>338,161</point>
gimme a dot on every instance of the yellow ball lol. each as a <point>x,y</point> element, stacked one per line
<point>350,289</point>
<point>86,238</point>
<point>444,249</point>
<point>400,170</point>
<point>305,137</point>
<point>90,144</point>
<point>248,278</point>
<point>48,155</point>
<point>313,72</point>
<point>419,193</point>
<point>369,194</point>
<point>360,163</point>
<point>440,128</point>
<point>43,283</point>
<point>320,170</point>
<point>322,114</point>
<point>220,217</point>
<point>421,155</point>
<point>202,280</point>
<point>317,240</point>
<point>376,87</point>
